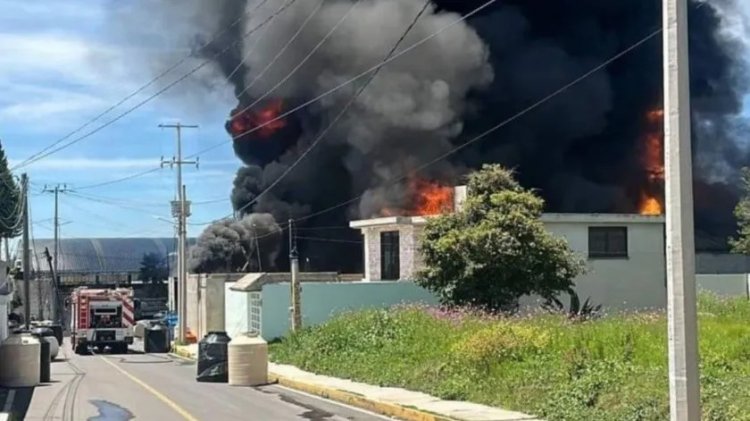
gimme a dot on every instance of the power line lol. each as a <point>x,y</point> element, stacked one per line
<point>41,156</point>
<point>500,125</point>
<point>328,240</point>
<point>332,90</point>
<point>137,91</point>
<point>341,113</point>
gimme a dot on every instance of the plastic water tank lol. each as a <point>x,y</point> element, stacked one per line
<point>248,361</point>
<point>20,361</point>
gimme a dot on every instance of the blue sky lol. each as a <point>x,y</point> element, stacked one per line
<point>59,68</point>
<point>60,65</point>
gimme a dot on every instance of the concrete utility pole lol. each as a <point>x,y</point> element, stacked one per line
<point>26,251</point>
<point>296,289</point>
<point>180,211</point>
<point>684,385</point>
<point>55,267</point>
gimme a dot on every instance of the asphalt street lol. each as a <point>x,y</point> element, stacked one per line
<point>160,387</point>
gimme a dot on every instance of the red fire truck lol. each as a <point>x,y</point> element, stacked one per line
<point>101,318</point>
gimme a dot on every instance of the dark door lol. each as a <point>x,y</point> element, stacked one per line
<point>390,259</point>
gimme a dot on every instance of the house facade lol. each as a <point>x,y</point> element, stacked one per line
<point>624,254</point>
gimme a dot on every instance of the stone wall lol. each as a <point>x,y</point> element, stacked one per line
<point>410,259</point>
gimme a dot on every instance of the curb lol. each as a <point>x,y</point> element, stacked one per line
<point>359,401</point>
<point>348,398</point>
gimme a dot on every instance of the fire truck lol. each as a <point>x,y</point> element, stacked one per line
<point>101,318</point>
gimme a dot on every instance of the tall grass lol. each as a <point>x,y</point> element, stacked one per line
<point>614,368</point>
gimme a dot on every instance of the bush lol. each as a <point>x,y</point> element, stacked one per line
<point>496,249</point>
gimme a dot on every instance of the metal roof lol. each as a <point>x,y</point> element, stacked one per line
<point>99,255</point>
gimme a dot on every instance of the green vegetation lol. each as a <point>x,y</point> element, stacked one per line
<point>612,368</point>
<point>10,200</point>
<point>741,244</point>
<point>495,249</point>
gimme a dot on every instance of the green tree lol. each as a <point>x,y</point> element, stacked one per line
<point>495,249</point>
<point>10,200</point>
<point>153,268</point>
<point>741,244</point>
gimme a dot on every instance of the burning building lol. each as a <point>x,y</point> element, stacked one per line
<point>597,148</point>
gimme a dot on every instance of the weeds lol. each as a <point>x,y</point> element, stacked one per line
<point>550,365</point>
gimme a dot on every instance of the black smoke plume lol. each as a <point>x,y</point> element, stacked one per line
<point>583,149</point>
<point>250,244</point>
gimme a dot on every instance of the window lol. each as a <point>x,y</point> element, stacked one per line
<point>608,242</point>
<point>390,259</point>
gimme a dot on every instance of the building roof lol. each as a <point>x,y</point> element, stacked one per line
<point>583,218</point>
<point>99,255</point>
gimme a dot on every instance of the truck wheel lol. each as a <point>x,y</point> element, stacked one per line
<point>81,349</point>
<point>122,348</point>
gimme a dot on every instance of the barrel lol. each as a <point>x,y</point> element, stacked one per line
<point>155,339</point>
<point>46,334</point>
<point>58,330</point>
<point>248,361</point>
<point>213,358</point>
<point>45,361</point>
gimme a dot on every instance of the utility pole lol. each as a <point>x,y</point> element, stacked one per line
<point>296,289</point>
<point>54,268</point>
<point>180,211</point>
<point>56,301</point>
<point>684,386</point>
<point>26,252</point>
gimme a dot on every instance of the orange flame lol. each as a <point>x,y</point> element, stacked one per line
<point>265,120</point>
<point>653,163</point>
<point>433,198</point>
<point>650,206</point>
<point>428,198</point>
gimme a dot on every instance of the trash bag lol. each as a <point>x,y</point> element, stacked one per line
<point>213,358</point>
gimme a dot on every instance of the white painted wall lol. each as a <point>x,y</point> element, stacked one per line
<point>635,282</point>
<point>727,285</point>
<point>236,311</point>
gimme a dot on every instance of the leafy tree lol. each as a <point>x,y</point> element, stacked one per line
<point>495,249</point>
<point>741,244</point>
<point>10,200</point>
<point>153,268</point>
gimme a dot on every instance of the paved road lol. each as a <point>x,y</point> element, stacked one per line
<point>156,387</point>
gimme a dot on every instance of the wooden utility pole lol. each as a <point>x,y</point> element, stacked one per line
<point>684,386</point>
<point>180,210</point>
<point>296,289</point>
<point>26,251</point>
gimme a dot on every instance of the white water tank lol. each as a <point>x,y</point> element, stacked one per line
<point>248,361</point>
<point>20,364</point>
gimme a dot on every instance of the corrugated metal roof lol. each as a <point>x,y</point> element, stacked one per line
<point>100,255</point>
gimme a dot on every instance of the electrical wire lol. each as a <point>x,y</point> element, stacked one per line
<point>327,240</point>
<point>341,113</point>
<point>502,124</point>
<point>165,72</point>
<point>149,98</point>
<point>334,89</point>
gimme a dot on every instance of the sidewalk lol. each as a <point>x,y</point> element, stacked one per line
<point>400,403</point>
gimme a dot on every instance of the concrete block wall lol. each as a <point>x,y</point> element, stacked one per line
<point>205,302</point>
